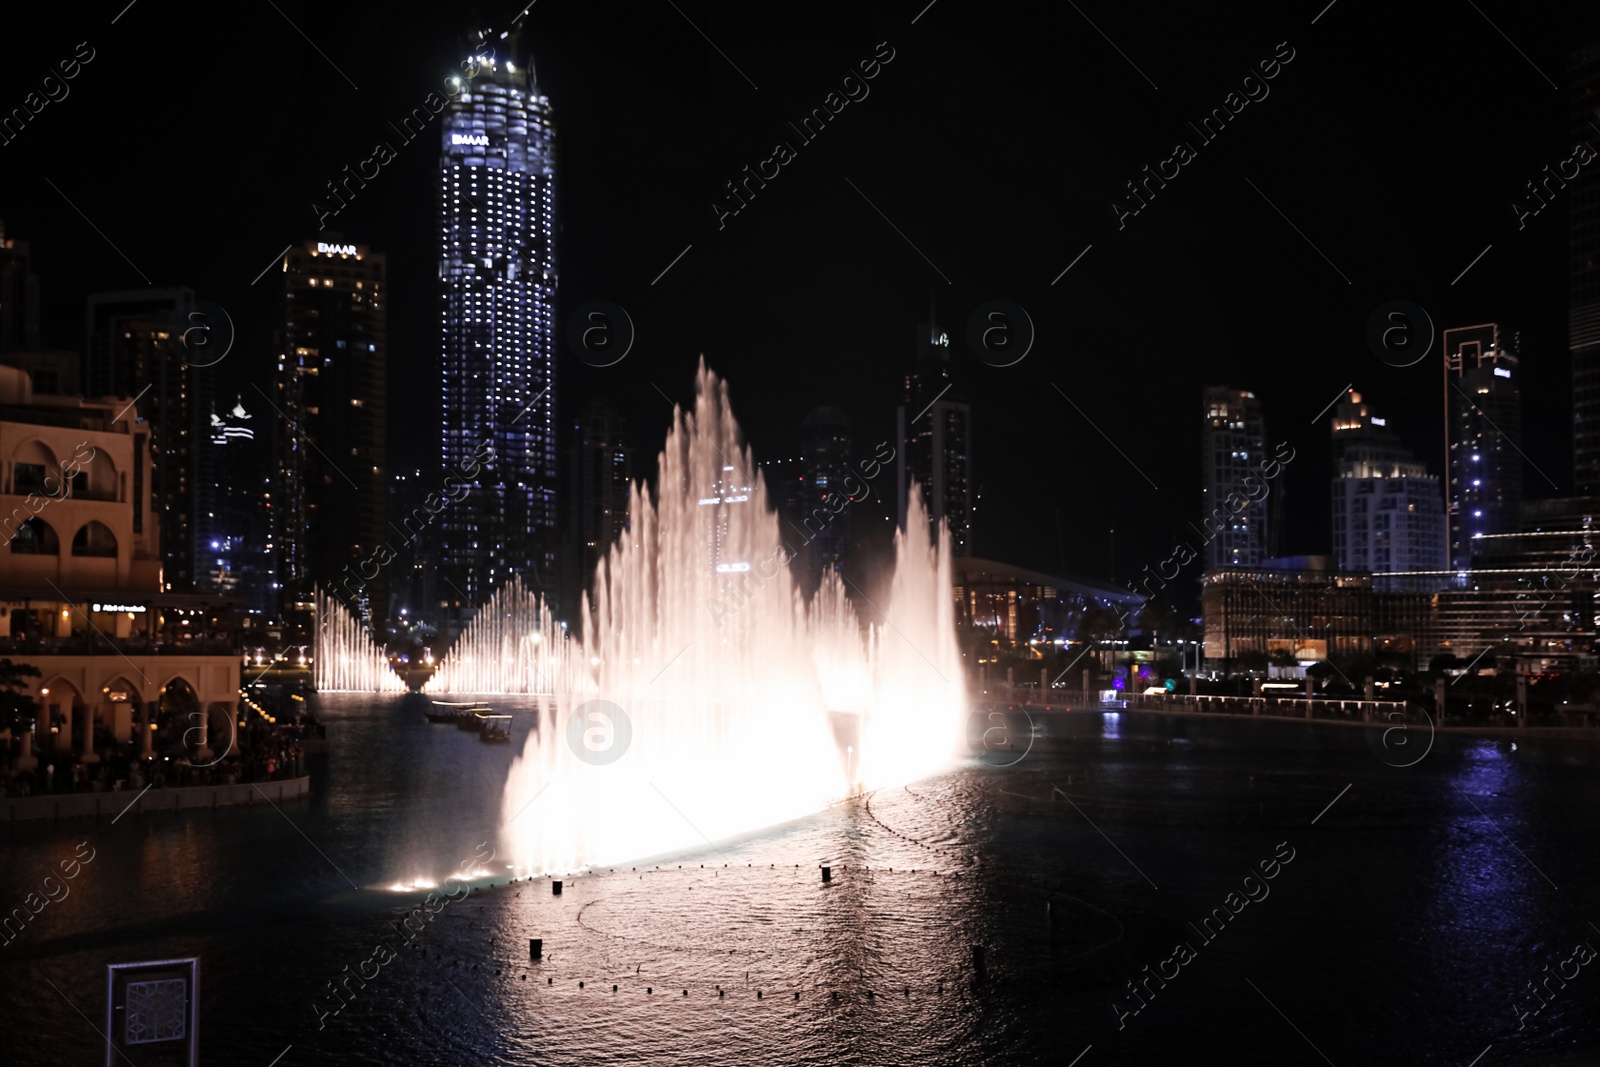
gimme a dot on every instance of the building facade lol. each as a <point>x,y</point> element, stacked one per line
<point>497,272</point>
<point>602,471</point>
<point>130,351</point>
<point>19,295</point>
<point>1583,323</point>
<point>1483,435</point>
<point>825,464</point>
<point>329,500</point>
<point>1298,609</point>
<point>1233,449</point>
<point>235,554</point>
<point>934,426</point>
<point>82,595</point>
<point>1388,511</point>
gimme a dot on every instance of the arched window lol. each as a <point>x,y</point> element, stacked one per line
<point>35,538</point>
<point>94,539</point>
<point>35,472</point>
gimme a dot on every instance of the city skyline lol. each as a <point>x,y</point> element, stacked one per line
<point>855,350</point>
<point>831,533</point>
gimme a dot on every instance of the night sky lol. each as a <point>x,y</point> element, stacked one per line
<point>994,141</point>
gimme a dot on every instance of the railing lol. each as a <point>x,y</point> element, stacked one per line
<point>97,644</point>
<point>1033,696</point>
<point>1285,707</point>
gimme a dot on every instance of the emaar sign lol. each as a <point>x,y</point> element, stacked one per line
<point>469,139</point>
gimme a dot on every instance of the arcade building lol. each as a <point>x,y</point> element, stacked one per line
<point>81,593</point>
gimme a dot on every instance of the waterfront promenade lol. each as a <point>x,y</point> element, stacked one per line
<point>1577,722</point>
<point>150,801</point>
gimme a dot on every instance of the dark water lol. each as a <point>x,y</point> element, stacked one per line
<point>1411,916</point>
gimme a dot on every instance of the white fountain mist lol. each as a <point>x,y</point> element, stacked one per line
<point>725,675</point>
<point>344,658</point>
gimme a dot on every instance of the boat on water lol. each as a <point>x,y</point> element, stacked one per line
<point>460,713</point>
<point>493,729</point>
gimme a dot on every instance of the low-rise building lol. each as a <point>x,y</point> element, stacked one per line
<point>81,588</point>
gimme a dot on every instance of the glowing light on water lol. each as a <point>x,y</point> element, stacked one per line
<point>414,884</point>
<point>345,658</point>
<point>725,681</point>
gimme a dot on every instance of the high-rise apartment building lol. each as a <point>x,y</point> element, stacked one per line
<point>1233,453</point>
<point>19,295</point>
<point>1582,193</point>
<point>602,470</point>
<point>1388,511</point>
<point>133,350</point>
<point>330,496</point>
<point>497,271</point>
<point>234,556</point>
<point>825,461</point>
<point>1483,435</point>
<point>934,427</point>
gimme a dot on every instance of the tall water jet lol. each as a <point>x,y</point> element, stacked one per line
<point>344,658</point>
<point>701,694</point>
<point>512,645</point>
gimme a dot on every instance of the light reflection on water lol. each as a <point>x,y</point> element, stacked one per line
<point>1399,935</point>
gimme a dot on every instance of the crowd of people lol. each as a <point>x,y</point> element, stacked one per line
<point>261,752</point>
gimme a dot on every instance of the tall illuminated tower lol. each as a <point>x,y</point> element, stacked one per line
<point>1583,233</point>
<point>934,428</point>
<point>1233,448</point>
<point>1483,434</point>
<point>497,272</point>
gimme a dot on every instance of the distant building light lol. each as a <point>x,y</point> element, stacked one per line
<point>1378,422</point>
<point>1502,372</point>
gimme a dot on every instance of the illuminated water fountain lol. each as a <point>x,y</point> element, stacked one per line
<point>715,678</point>
<point>345,659</point>
<point>512,645</point>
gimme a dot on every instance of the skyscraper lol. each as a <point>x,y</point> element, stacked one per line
<point>825,461</point>
<point>19,295</point>
<point>131,351</point>
<point>1583,324</point>
<point>1233,448</point>
<point>330,497</point>
<point>934,428</point>
<point>234,490</point>
<point>602,469</point>
<point>1483,436</point>
<point>497,271</point>
<point>1388,511</point>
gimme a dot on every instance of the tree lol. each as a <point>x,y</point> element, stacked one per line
<point>1321,670</point>
<point>1250,661</point>
<point>18,711</point>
